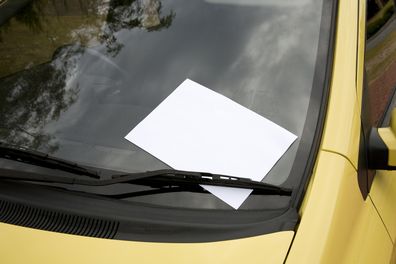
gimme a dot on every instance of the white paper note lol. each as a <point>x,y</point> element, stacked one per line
<point>197,129</point>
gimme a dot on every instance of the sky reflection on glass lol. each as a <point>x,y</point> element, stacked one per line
<point>262,57</point>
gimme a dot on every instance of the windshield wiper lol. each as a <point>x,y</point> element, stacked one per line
<point>191,179</point>
<point>155,179</point>
<point>44,160</point>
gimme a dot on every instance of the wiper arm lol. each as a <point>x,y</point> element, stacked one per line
<point>190,179</point>
<point>43,160</point>
<point>194,189</point>
<point>155,179</point>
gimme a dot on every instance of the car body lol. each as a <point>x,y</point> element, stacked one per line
<point>346,215</point>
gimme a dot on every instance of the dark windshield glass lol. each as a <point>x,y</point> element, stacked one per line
<point>77,76</point>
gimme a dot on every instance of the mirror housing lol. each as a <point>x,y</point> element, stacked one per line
<point>382,146</point>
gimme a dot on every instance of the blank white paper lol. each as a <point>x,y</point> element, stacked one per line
<point>197,129</point>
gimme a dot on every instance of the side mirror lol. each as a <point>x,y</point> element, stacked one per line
<point>382,146</point>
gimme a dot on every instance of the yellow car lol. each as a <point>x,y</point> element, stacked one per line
<point>77,76</point>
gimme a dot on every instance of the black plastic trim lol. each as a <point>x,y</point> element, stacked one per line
<point>378,153</point>
<point>23,214</point>
<point>362,175</point>
<point>46,208</point>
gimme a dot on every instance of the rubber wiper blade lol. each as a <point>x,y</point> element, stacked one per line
<point>158,179</point>
<point>43,160</point>
<point>190,179</point>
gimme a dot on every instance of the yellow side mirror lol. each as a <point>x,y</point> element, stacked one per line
<point>388,136</point>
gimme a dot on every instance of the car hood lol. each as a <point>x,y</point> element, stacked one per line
<point>50,247</point>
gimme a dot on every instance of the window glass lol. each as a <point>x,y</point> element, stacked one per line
<point>380,58</point>
<point>77,76</point>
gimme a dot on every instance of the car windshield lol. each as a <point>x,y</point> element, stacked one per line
<point>77,76</point>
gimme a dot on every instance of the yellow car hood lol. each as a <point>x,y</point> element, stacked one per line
<point>26,245</point>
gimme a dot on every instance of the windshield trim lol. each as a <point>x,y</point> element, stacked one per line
<point>314,124</point>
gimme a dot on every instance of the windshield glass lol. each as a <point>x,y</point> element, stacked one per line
<point>77,76</point>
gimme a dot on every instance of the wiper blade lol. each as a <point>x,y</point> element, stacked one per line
<point>194,189</point>
<point>156,179</point>
<point>190,179</point>
<point>43,160</point>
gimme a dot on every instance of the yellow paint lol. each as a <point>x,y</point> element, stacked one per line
<point>25,245</point>
<point>383,194</point>
<point>369,241</point>
<point>342,127</point>
<point>389,137</point>
<point>361,50</point>
<point>337,225</point>
<point>331,211</point>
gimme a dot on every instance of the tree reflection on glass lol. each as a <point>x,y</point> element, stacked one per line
<point>28,15</point>
<point>35,92</point>
<point>44,25</point>
<point>129,14</point>
<point>30,99</point>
